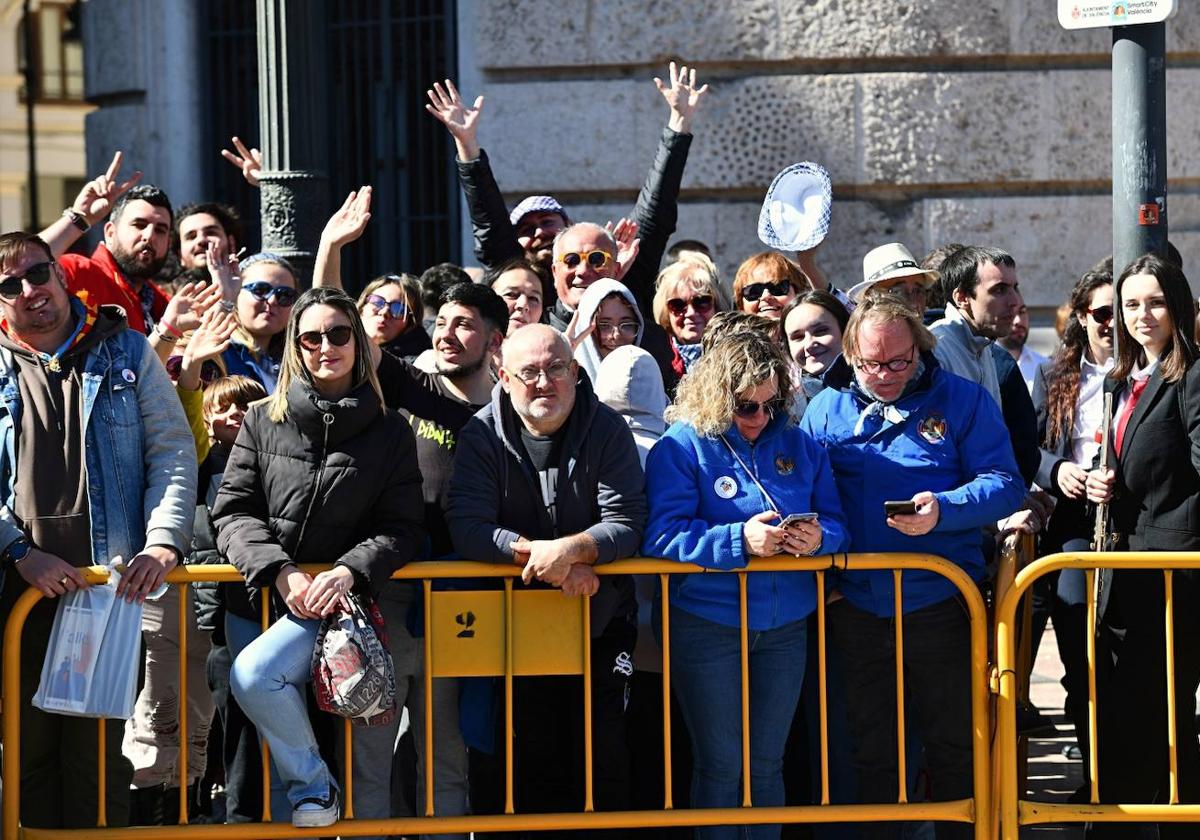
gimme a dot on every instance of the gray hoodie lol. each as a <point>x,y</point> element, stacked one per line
<point>629,383</point>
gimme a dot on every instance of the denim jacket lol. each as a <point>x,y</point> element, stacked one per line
<point>140,456</point>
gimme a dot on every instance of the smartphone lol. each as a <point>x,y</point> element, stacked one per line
<point>792,518</point>
<point>893,508</point>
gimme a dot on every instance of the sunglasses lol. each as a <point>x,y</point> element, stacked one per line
<point>1101,314</point>
<point>754,291</point>
<point>338,337</point>
<point>395,308</point>
<point>596,259</point>
<point>701,303</point>
<point>262,290</point>
<point>35,275</point>
<point>749,408</point>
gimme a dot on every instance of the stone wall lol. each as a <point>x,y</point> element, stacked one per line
<point>948,120</point>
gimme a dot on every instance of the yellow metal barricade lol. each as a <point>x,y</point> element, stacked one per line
<point>1015,811</point>
<point>510,632</point>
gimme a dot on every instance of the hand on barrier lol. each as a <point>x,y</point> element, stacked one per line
<point>547,560</point>
<point>50,574</point>
<point>145,572</point>
<point>328,591</point>
<point>581,580</point>
<point>292,584</point>
<point>921,522</point>
<point>1100,485</point>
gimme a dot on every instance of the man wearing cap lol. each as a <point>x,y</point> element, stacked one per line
<point>891,268</point>
<point>530,229</point>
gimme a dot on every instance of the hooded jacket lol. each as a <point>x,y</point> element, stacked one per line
<point>945,435</point>
<point>629,383</point>
<point>335,482</point>
<point>701,495</point>
<point>962,352</point>
<point>495,495</point>
<point>587,353</point>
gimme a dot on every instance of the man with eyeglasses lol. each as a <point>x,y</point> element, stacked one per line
<point>97,462</point>
<point>549,478</point>
<point>899,428</point>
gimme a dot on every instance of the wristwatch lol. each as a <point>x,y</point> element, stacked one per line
<point>16,551</point>
<point>78,219</point>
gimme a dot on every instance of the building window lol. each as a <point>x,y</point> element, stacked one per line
<point>57,52</point>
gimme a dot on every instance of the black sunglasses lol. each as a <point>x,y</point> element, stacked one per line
<point>701,303</point>
<point>35,275</point>
<point>755,290</point>
<point>338,337</point>
<point>262,290</point>
<point>749,408</point>
<point>1102,314</point>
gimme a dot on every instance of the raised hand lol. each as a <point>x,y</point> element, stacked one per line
<point>223,271</point>
<point>624,233</point>
<point>682,95</point>
<point>99,195</point>
<point>208,341</point>
<point>461,121</point>
<point>350,220</point>
<point>188,305</point>
<point>247,160</point>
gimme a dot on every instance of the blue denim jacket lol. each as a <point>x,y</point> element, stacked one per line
<point>140,456</point>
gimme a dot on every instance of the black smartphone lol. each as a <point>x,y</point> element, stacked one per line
<point>893,508</point>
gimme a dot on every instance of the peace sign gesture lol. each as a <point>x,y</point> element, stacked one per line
<point>682,95</point>
<point>248,160</point>
<point>98,195</point>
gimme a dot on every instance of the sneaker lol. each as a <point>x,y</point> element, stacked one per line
<point>1031,723</point>
<point>315,812</point>
<point>1071,752</point>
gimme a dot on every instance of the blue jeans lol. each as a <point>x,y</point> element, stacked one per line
<point>707,677</point>
<point>268,679</point>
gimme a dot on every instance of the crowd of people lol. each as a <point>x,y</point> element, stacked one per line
<point>593,395</point>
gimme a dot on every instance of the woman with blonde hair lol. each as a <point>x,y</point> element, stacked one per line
<point>723,484</point>
<point>687,295</point>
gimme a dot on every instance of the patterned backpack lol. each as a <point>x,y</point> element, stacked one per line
<point>352,670</point>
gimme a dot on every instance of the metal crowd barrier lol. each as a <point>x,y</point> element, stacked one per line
<point>1015,811</point>
<point>519,632</point>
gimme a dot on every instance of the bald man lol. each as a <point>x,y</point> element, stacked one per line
<point>548,477</point>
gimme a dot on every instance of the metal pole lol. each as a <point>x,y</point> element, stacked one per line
<point>1139,129</point>
<point>293,90</point>
<point>31,92</point>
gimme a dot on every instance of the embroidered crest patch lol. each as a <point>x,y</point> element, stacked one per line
<point>784,465</point>
<point>933,428</point>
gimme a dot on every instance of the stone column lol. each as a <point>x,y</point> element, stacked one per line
<point>293,87</point>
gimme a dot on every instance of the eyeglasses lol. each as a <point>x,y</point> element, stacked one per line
<point>749,408</point>
<point>35,275</point>
<point>894,365</point>
<point>1101,314</point>
<point>703,304</point>
<point>629,329</point>
<point>777,289</point>
<point>596,259</point>
<point>262,290</point>
<point>396,308</point>
<point>338,337</point>
<point>557,372</point>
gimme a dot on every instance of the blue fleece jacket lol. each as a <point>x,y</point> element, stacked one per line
<point>700,497</point>
<point>950,440</point>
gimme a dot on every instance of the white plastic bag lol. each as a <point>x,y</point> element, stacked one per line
<point>94,654</point>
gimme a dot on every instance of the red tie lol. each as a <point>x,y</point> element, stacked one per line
<point>1135,394</point>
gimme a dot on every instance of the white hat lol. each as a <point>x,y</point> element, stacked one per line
<point>886,263</point>
<point>795,212</point>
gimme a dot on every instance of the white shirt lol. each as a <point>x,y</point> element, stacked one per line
<point>1089,412</point>
<point>1138,375</point>
<point>1029,362</point>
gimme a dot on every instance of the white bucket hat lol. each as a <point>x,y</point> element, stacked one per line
<point>795,212</point>
<point>888,262</point>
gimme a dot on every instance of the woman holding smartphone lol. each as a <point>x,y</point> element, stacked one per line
<point>1154,495</point>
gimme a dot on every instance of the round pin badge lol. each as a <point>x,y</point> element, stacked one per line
<point>129,376</point>
<point>725,487</point>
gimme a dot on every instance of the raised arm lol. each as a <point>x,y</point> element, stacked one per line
<point>657,207</point>
<point>346,225</point>
<point>495,237</point>
<point>92,204</point>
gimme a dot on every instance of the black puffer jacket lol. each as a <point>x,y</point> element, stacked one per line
<point>336,482</point>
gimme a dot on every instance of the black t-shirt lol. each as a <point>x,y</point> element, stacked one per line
<point>546,454</point>
<point>436,416</point>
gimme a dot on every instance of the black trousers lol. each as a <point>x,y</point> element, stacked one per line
<point>59,765</point>
<point>548,759</point>
<point>1132,738</point>
<point>937,680</point>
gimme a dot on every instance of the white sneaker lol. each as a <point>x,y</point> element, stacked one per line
<point>316,813</point>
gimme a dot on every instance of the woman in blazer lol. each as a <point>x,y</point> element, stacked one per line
<point>1155,506</point>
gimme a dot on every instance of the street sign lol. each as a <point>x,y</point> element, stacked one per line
<point>1097,14</point>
